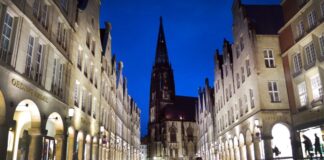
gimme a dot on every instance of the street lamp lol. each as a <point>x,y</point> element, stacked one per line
<point>70,113</point>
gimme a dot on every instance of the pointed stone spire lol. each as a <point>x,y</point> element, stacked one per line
<point>161,55</point>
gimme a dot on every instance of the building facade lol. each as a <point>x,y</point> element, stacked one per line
<point>302,46</point>
<point>60,97</point>
<point>251,101</point>
<point>172,127</point>
<point>206,122</point>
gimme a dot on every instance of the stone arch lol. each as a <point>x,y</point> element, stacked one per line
<point>249,145</point>
<point>281,138</point>
<point>2,109</point>
<point>79,146</point>
<point>28,122</point>
<point>236,148</point>
<point>55,129</point>
<point>87,149</point>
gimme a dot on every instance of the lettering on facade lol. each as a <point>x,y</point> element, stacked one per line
<point>29,90</point>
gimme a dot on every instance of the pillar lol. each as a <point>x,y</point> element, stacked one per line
<point>35,145</point>
<point>257,151</point>
<point>4,130</point>
<point>296,145</point>
<point>267,147</point>
<point>59,146</point>
<point>248,151</point>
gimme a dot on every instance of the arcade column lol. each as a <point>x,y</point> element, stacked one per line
<point>35,146</point>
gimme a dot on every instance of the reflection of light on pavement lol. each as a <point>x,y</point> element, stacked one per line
<point>281,139</point>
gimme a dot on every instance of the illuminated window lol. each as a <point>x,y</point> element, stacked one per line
<point>302,91</point>
<point>297,60</point>
<point>38,62</point>
<point>273,91</point>
<point>29,57</point>
<point>6,37</point>
<point>316,87</point>
<point>269,58</point>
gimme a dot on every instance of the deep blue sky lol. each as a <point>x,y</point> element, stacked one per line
<point>194,30</point>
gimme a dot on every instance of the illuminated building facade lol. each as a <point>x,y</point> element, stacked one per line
<point>251,102</point>
<point>302,46</point>
<point>60,97</point>
<point>206,122</point>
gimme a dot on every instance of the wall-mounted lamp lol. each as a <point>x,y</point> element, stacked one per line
<point>70,113</point>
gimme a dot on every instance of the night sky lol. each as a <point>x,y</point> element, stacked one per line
<point>194,30</point>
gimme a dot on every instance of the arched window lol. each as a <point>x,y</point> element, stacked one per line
<point>173,134</point>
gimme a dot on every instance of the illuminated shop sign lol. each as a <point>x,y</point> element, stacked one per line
<point>29,90</point>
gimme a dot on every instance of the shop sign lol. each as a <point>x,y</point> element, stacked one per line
<point>29,90</point>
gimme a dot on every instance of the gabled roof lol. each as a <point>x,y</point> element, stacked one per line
<point>265,19</point>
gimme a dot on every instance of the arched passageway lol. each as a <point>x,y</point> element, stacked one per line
<point>281,140</point>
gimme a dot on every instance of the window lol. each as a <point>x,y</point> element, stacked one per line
<point>246,103</point>
<point>297,62</point>
<point>302,93</point>
<point>310,54</point>
<point>64,4</point>
<point>311,17</point>
<point>6,37</point>
<point>300,28</point>
<point>79,61</point>
<point>321,42</point>
<point>316,87</point>
<point>88,39</point>
<point>269,58</point>
<point>38,63</point>
<point>242,74</point>
<point>251,98</point>
<point>84,98</point>
<point>62,35</point>
<point>241,107</point>
<point>29,57</point>
<point>173,134</point>
<point>237,51</point>
<point>273,91</point>
<point>247,65</point>
<point>93,49</point>
<point>322,9</point>
<point>230,90</point>
<point>44,16</point>
<point>91,72</point>
<point>89,103</point>
<point>76,94</point>
<point>238,80</point>
<point>241,43</point>
<point>85,68</point>
<point>36,8</point>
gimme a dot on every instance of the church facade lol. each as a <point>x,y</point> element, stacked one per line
<point>172,126</point>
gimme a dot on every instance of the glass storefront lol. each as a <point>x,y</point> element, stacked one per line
<point>48,150</point>
<point>310,134</point>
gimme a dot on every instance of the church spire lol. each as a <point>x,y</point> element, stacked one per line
<point>161,55</point>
